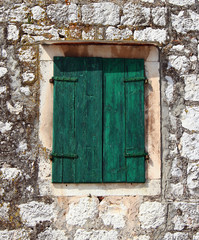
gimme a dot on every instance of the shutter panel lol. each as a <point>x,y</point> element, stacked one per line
<point>77,122</point>
<point>114,121</point>
<point>134,101</point>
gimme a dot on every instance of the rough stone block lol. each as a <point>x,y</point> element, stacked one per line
<point>169,89</point>
<point>63,13</point>
<point>192,179</point>
<point>176,236</point>
<point>3,71</point>
<point>135,15</point>
<point>113,33</point>
<point>4,208</point>
<point>196,236</point>
<point>184,216</point>
<point>13,32</point>
<point>190,118</point>
<point>152,214</point>
<point>106,13</point>
<point>19,13</point>
<point>95,234</point>
<point>49,233</point>
<point>79,213</point>
<point>14,234</point>
<point>183,23</point>
<point>150,34</point>
<point>190,146</point>
<point>34,212</point>
<point>9,174</point>
<point>182,3</point>
<point>37,13</point>
<point>191,87</point>
<point>180,63</point>
<point>159,16</point>
<point>176,168</point>
<point>113,215</point>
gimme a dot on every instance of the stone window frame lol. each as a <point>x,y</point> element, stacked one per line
<point>150,53</point>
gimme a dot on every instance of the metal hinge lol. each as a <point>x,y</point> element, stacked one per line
<point>72,156</point>
<point>63,79</point>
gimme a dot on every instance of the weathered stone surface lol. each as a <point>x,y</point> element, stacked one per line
<point>192,178</point>
<point>4,211</point>
<point>14,235</point>
<point>180,63</point>
<point>159,16</point>
<point>113,33</point>
<point>37,13</point>
<point>28,77</point>
<point>101,13</point>
<point>63,13</point>
<point>196,236</point>
<point>169,89</point>
<point>89,35</point>
<point>18,13</point>
<point>34,212</point>
<point>114,215</point>
<point>150,34</point>
<point>22,146</point>
<point>13,32</point>
<point>79,213</point>
<point>10,173</point>
<point>142,237</point>
<point>182,3</point>
<point>190,147</point>
<point>5,127</point>
<point>191,87</point>
<point>176,236</point>
<point>176,190</point>
<point>152,214</point>
<point>176,169</point>
<point>135,15</point>
<point>183,24</point>
<point>15,108</point>
<point>190,118</point>
<point>188,217</point>
<point>3,71</point>
<point>178,48</point>
<point>94,235</point>
<point>25,90</point>
<point>2,90</point>
<point>49,233</point>
<point>149,1</point>
<point>27,54</point>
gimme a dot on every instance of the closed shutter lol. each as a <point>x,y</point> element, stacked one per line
<point>123,126</point>
<point>98,122</point>
<point>77,120</point>
<point>134,124</point>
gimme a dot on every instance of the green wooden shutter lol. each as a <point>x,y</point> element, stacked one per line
<point>77,120</point>
<point>123,120</point>
<point>98,116</point>
<point>134,112</point>
<point>114,167</point>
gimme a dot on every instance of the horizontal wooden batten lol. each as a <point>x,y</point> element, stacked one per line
<point>65,79</point>
<point>135,79</point>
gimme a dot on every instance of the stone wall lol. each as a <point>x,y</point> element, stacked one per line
<point>25,211</point>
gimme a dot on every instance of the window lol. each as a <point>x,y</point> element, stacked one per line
<point>98,120</point>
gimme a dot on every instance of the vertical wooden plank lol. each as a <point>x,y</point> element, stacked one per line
<point>63,127</point>
<point>134,97</point>
<point>89,121</point>
<point>81,116</point>
<point>114,167</point>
